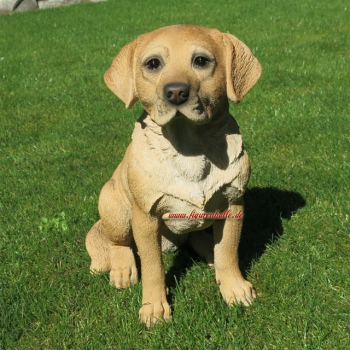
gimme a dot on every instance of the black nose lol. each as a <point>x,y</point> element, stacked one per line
<point>176,93</point>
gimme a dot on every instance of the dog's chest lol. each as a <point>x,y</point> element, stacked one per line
<point>184,201</point>
<point>193,169</point>
<point>179,184</point>
<point>192,181</point>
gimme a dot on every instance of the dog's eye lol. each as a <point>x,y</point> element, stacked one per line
<point>153,64</point>
<point>200,62</point>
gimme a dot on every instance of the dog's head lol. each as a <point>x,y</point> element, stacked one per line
<point>183,70</point>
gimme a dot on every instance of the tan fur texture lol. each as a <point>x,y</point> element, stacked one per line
<point>183,157</point>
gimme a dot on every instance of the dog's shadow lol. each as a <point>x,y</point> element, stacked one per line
<point>264,210</point>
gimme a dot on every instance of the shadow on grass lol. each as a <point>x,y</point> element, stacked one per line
<point>264,210</point>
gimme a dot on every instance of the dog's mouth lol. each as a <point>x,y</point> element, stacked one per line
<point>195,112</point>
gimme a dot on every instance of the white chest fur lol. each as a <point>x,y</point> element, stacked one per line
<point>194,170</point>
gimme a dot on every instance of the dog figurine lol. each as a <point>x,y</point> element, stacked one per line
<point>186,156</point>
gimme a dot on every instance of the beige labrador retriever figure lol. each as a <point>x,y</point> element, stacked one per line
<point>186,156</point>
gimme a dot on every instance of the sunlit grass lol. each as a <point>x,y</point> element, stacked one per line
<point>62,133</point>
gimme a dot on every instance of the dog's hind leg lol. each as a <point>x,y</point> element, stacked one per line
<point>115,212</point>
<point>107,256</point>
<point>110,241</point>
<point>98,248</point>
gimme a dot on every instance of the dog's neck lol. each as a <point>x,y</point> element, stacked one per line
<point>192,140</point>
<point>207,141</point>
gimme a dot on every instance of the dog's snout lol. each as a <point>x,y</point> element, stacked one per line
<point>176,93</point>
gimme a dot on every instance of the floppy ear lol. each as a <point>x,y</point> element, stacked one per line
<point>120,76</point>
<point>242,69</point>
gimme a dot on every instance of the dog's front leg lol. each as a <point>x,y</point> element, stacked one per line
<point>234,288</point>
<point>147,235</point>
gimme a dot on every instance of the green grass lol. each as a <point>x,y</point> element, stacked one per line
<point>62,133</point>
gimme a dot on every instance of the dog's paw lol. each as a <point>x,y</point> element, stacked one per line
<point>238,291</point>
<point>123,277</point>
<point>151,313</point>
<point>123,273</point>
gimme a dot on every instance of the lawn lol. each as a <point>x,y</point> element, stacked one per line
<point>62,133</point>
